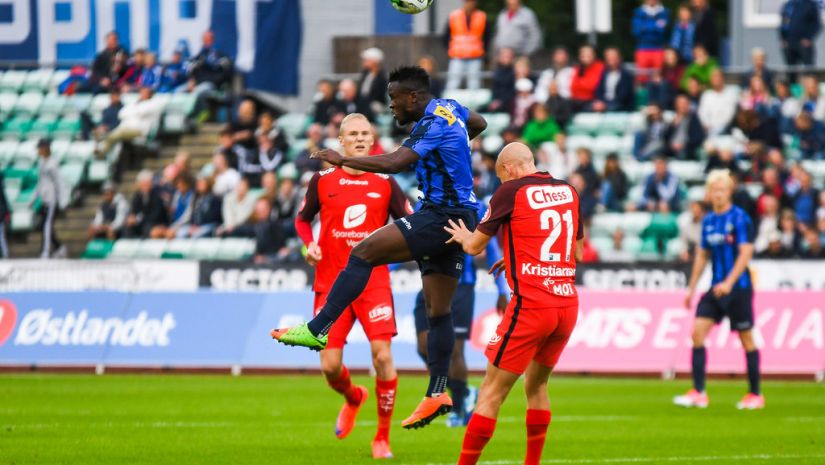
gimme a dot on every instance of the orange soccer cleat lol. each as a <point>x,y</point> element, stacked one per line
<point>381,449</point>
<point>346,417</point>
<point>428,410</point>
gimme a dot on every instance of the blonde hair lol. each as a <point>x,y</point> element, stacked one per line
<point>350,117</point>
<point>719,175</point>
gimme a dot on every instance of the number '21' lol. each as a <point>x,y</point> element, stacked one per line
<point>551,219</point>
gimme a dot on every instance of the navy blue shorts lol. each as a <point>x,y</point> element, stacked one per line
<point>426,238</point>
<point>737,306</point>
<point>461,309</point>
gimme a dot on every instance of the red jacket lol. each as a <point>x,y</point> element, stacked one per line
<point>585,82</point>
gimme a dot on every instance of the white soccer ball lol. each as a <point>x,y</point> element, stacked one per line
<point>411,7</point>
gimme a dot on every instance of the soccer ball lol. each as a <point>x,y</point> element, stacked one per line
<point>411,7</point>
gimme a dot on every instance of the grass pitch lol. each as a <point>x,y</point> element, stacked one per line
<point>176,419</point>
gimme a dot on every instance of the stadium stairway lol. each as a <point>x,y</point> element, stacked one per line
<point>73,224</point>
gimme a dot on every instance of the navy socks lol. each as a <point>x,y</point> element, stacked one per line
<point>349,285</point>
<point>440,342</point>
<point>752,359</point>
<point>699,360</point>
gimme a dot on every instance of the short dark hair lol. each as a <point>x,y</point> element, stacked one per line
<point>411,77</point>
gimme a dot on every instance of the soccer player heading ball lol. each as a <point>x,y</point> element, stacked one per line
<point>353,204</point>
<point>439,148</point>
<point>539,216</point>
<point>727,240</point>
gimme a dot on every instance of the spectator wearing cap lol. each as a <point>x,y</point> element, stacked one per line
<point>615,91</point>
<point>517,29</point>
<point>702,67</point>
<point>372,85</point>
<point>206,212</point>
<point>586,76</point>
<point>136,120</point>
<point>147,214</point>
<point>225,178</point>
<point>110,217</point>
<point>717,107</point>
<point>560,72</point>
<point>522,103</point>
<point>5,218</point>
<point>649,28</point>
<point>102,77</point>
<point>661,189</point>
<point>466,38</point>
<point>682,37</point>
<point>504,82</point>
<point>53,195</point>
<point>684,134</point>
<point>759,67</point>
<point>706,33</point>
<point>615,184</point>
<point>799,27</point>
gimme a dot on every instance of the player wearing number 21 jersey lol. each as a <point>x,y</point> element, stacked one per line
<point>539,218</point>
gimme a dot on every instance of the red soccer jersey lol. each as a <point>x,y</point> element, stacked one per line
<point>351,208</point>
<point>540,219</point>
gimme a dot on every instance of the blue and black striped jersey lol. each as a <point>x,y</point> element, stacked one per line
<point>722,234</point>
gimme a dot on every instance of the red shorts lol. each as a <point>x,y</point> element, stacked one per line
<point>648,60</point>
<point>527,334</point>
<point>373,309</point>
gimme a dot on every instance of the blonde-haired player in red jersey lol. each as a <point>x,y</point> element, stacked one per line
<point>352,205</point>
<point>542,232</point>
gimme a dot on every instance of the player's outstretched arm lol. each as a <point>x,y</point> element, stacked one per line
<point>476,124</point>
<point>395,162</point>
<point>473,242</point>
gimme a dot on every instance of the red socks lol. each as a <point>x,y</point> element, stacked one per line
<point>479,432</point>
<point>385,397</point>
<point>343,385</point>
<point>537,423</point>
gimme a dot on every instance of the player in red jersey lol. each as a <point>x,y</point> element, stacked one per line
<point>352,205</point>
<point>542,232</point>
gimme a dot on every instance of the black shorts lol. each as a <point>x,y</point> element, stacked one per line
<point>737,306</point>
<point>426,238</point>
<point>461,309</point>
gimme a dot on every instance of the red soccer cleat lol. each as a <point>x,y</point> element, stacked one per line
<point>346,417</point>
<point>381,449</point>
<point>751,402</point>
<point>692,398</point>
<point>428,410</point>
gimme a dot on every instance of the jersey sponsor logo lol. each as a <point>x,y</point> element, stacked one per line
<point>373,195</point>
<point>531,269</point>
<point>380,313</point>
<point>406,223</point>
<point>446,113</point>
<point>77,329</point>
<point>382,175</point>
<point>353,182</point>
<point>8,317</point>
<point>326,171</point>
<point>560,289</point>
<point>541,197</point>
<point>716,238</point>
<point>355,215</point>
<point>494,340</point>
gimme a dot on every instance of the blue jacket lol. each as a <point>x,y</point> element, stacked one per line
<point>682,40</point>
<point>624,98</point>
<point>800,20</point>
<point>650,30</point>
<point>173,75</point>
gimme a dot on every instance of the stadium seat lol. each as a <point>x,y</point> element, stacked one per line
<point>577,141</point>
<point>606,143</point>
<point>696,194</point>
<point>151,248</point>
<point>67,128</point>
<point>22,220</point>
<point>7,150</point>
<point>28,103</point>
<point>7,101</point>
<point>754,189</point>
<point>42,126</point>
<point>57,78</point>
<point>12,187</point>
<point>385,123</point>
<point>634,195</point>
<point>97,249</point>
<point>53,104</point>
<point>60,147</point>
<point>649,250</point>
<point>72,172</point>
<point>496,123</point>
<point>295,148</point>
<point>26,152</point>
<point>632,244</point>
<point>81,151</point>
<point>293,124</point>
<point>675,248</point>
<point>125,248</point>
<point>178,248</point>
<point>37,80</point>
<point>662,226</point>
<point>12,81</point>
<point>492,144</point>
<point>75,104</point>
<point>633,223</point>
<point>602,244</point>
<point>234,249</point>
<point>98,172</point>
<point>603,224</point>
<point>16,128</point>
<point>472,99</point>
<point>636,122</point>
<point>204,249</point>
<point>585,123</point>
<point>615,123</point>
<point>687,171</point>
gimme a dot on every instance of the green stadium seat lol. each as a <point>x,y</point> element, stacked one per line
<point>641,96</point>
<point>178,248</point>
<point>633,223</point>
<point>293,124</point>
<point>606,143</point>
<point>234,249</point>
<point>662,226</point>
<point>99,171</point>
<point>12,188</point>
<point>151,248</point>
<point>26,155</point>
<point>81,151</point>
<point>696,194</point>
<point>98,249</point>
<point>42,126</point>
<point>75,104</point>
<point>7,150</point>
<point>632,244</point>
<point>17,127</point>
<point>22,220</point>
<point>636,122</point>
<point>204,249</point>
<point>649,251</point>
<point>72,173</point>
<point>687,171</point>
<point>472,99</point>
<point>603,224</point>
<point>602,244</point>
<point>576,141</point>
<point>60,147</point>
<point>385,123</point>
<point>12,80</point>
<point>28,103</point>
<point>496,123</point>
<point>585,123</point>
<point>67,128</point>
<point>125,248</point>
<point>7,101</point>
<point>492,144</point>
<point>57,78</point>
<point>674,249</point>
<point>615,123</point>
<point>53,104</point>
<point>626,148</point>
<point>38,80</point>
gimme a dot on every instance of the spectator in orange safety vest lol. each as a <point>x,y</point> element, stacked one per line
<point>466,38</point>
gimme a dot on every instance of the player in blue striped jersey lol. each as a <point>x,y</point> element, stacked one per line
<point>727,242</point>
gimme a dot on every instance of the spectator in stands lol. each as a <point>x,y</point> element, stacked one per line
<point>315,142</point>
<point>559,107</point>
<point>225,178</point>
<point>269,186</point>
<point>661,191</point>
<point>243,126</point>
<point>812,244</point>
<point>723,158</point>
<point>206,212</point>
<point>617,253</point>
<point>820,211</point>
<point>758,129</point>
<point>694,91</point>
<point>673,69</point>
<point>684,134</point>
<point>690,228</point>
<point>181,206</point>
<point>589,253</point>
<point>759,68</point>
<point>181,165</point>
<point>266,126</point>
<point>287,202</point>
<point>352,102</point>
<point>541,127</point>
<point>109,119</point>
<point>428,64</point>
<point>372,84</point>
<point>702,67</point>
<point>517,29</point>
<point>173,74</point>
<point>523,70</point>
<point>522,103</point>
<point>787,106</point>
<point>151,73</point>
<point>466,38</point>
<point>775,248</point>
<point>615,184</point>
<point>557,159</point>
<point>650,141</point>
<point>659,90</point>
<point>210,69</point>
<point>757,97</point>
<point>649,28</point>
<point>486,181</point>
<point>682,37</point>
<point>5,218</point>
<point>270,240</point>
<point>799,27</point>
<point>559,73</point>
<point>587,197</point>
<point>110,217</point>
<point>706,33</point>
<point>586,169</point>
<point>130,78</point>
<point>226,146</point>
<point>768,222</point>
<point>806,199</point>
<point>53,195</point>
<point>771,188</point>
<point>586,76</point>
<point>809,136</point>
<point>147,214</point>
<point>742,199</point>
<point>270,158</point>
<point>236,209</point>
<point>789,230</point>
<point>812,100</point>
<point>102,77</point>
<point>717,106</point>
<point>615,91</point>
<point>504,82</point>
<point>136,120</point>
<point>326,105</point>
